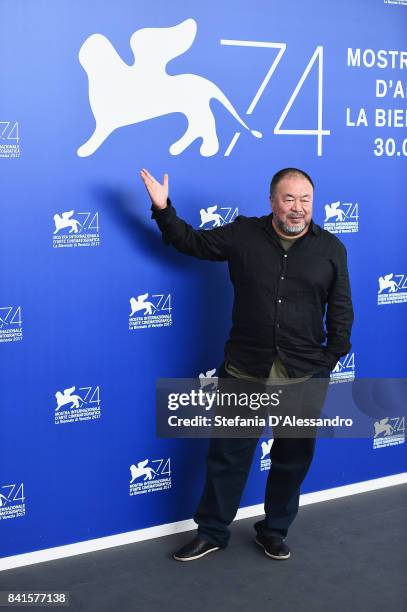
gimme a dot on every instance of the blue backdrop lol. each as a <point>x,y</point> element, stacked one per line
<point>325,85</point>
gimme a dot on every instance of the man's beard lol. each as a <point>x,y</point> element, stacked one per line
<point>289,229</point>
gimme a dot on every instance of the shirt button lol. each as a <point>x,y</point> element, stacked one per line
<point>285,255</point>
<point>278,324</point>
<point>279,301</point>
<point>282,277</point>
<point>277,347</point>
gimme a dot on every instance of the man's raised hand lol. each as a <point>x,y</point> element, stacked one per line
<point>158,192</point>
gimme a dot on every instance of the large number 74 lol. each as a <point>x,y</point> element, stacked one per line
<point>318,56</point>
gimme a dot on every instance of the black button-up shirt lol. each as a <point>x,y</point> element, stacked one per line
<point>280,298</point>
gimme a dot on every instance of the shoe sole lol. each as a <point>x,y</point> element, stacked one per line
<point>196,556</point>
<point>278,557</point>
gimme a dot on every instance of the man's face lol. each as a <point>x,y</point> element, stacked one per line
<point>292,205</point>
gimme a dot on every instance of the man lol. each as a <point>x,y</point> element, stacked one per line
<point>288,275</point>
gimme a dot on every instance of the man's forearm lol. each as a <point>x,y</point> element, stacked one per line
<point>213,244</point>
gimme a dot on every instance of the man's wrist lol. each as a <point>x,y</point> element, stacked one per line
<point>160,207</point>
<point>160,211</point>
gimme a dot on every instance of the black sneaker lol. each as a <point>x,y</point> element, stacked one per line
<point>197,548</point>
<point>274,546</point>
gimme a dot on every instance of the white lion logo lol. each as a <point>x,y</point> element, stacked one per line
<point>208,380</point>
<point>386,282</point>
<point>266,447</point>
<point>383,427</point>
<point>333,210</point>
<point>67,398</point>
<point>140,469</point>
<point>140,303</point>
<point>64,220</point>
<point>209,216</point>
<point>122,94</point>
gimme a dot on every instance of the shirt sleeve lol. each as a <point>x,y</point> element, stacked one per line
<point>339,314</point>
<point>214,244</point>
